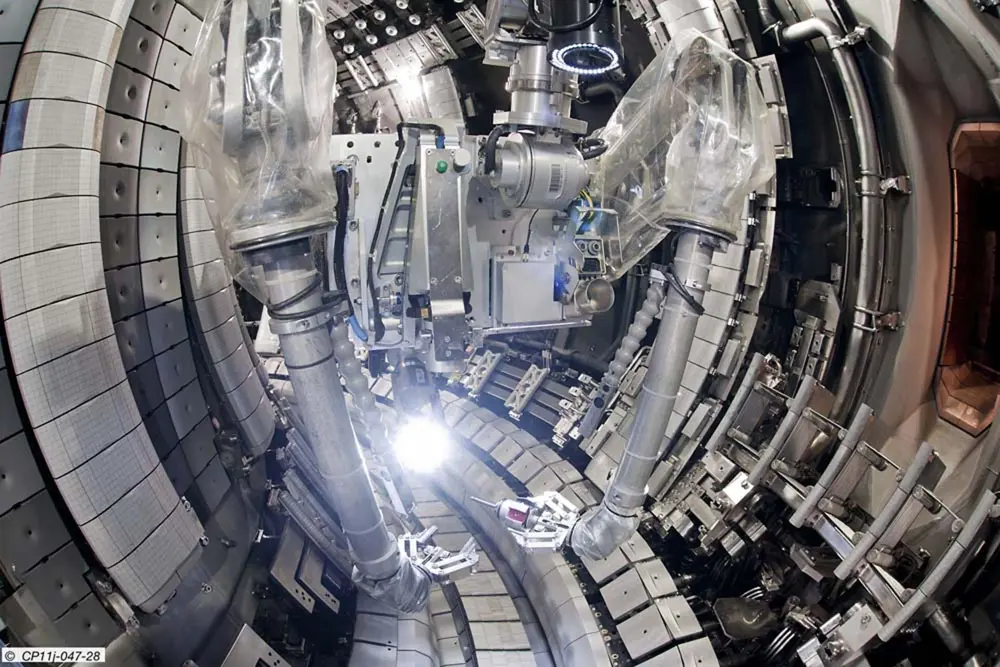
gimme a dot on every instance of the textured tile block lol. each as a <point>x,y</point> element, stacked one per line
<point>61,76</point>
<point>36,226</point>
<point>100,482</point>
<point>59,386</point>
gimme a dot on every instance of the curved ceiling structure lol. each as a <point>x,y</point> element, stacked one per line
<point>159,493</point>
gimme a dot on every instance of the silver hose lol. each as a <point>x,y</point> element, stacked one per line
<point>604,528</point>
<point>623,358</point>
<point>300,319</point>
<point>357,384</point>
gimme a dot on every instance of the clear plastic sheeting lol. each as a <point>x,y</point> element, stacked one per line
<point>600,531</point>
<point>258,104</point>
<point>408,590</point>
<point>686,146</point>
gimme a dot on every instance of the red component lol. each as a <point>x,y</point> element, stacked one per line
<point>514,514</point>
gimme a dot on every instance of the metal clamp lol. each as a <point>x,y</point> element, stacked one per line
<point>874,321</point>
<point>899,184</point>
<point>441,563</point>
<point>860,34</point>
<point>301,325</point>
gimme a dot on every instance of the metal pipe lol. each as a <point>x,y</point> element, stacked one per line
<point>300,319</point>
<point>840,458</point>
<point>742,394</point>
<point>602,529</point>
<point>796,406</point>
<point>869,293</point>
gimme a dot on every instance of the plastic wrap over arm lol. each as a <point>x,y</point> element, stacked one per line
<point>408,590</point>
<point>258,108</point>
<point>689,141</point>
<point>599,532</point>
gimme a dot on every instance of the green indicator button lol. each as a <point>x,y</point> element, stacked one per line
<point>442,166</point>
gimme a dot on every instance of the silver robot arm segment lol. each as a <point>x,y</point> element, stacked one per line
<point>258,100</point>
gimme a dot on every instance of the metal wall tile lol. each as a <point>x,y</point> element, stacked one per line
<point>624,595</point>
<point>145,384</point>
<point>19,475</point>
<point>161,149</point>
<point>31,532</point>
<point>178,471</point>
<point>140,48</point>
<point>44,334</point>
<point>187,408</point>
<point>161,282</point>
<point>644,633</point>
<point>119,242</point>
<point>176,368</point>
<point>167,325</point>
<point>206,279</point>
<point>154,14</point>
<point>58,124</point>
<point>144,572</point>
<point>126,523</point>
<point>165,107</point>
<point>85,431</point>
<point>58,583</point>
<point>122,140</point>
<point>133,340</point>
<point>183,28</point>
<point>124,289</point>
<point>223,340</point>
<point>162,431</point>
<point>119,190</point>
<point>67,382</point>
<point>32,226</point>
<point>170,65</point>
<point>99,483</point>
<point>211,484</point>
<point>75,33</point>
<point>214,310</point>
<point>157,237</point>
<point>17,15</point>
<point>87,624</point>
<point>129,93</point>
<point>61,76</point>
<point>157,192</point>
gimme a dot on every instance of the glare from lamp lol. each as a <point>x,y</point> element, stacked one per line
<point>411,83</point>
<point>422,444</point>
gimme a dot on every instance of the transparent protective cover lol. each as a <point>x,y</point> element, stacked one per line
<point>258,108</point>
<point>686,145</point>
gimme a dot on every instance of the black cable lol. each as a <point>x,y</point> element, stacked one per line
<point>682,290</point>
<point>315,283</point>
<point>343,184</point>
<point>592,148</point>
<point>490,151</point>
<point>569,27</point>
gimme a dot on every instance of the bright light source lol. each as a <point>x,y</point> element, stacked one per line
<point>422,444</point>
<point>411,83</point>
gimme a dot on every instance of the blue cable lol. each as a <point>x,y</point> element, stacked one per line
<point>358,331</point>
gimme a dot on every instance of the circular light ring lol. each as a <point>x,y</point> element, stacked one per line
<point>558,58</point>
